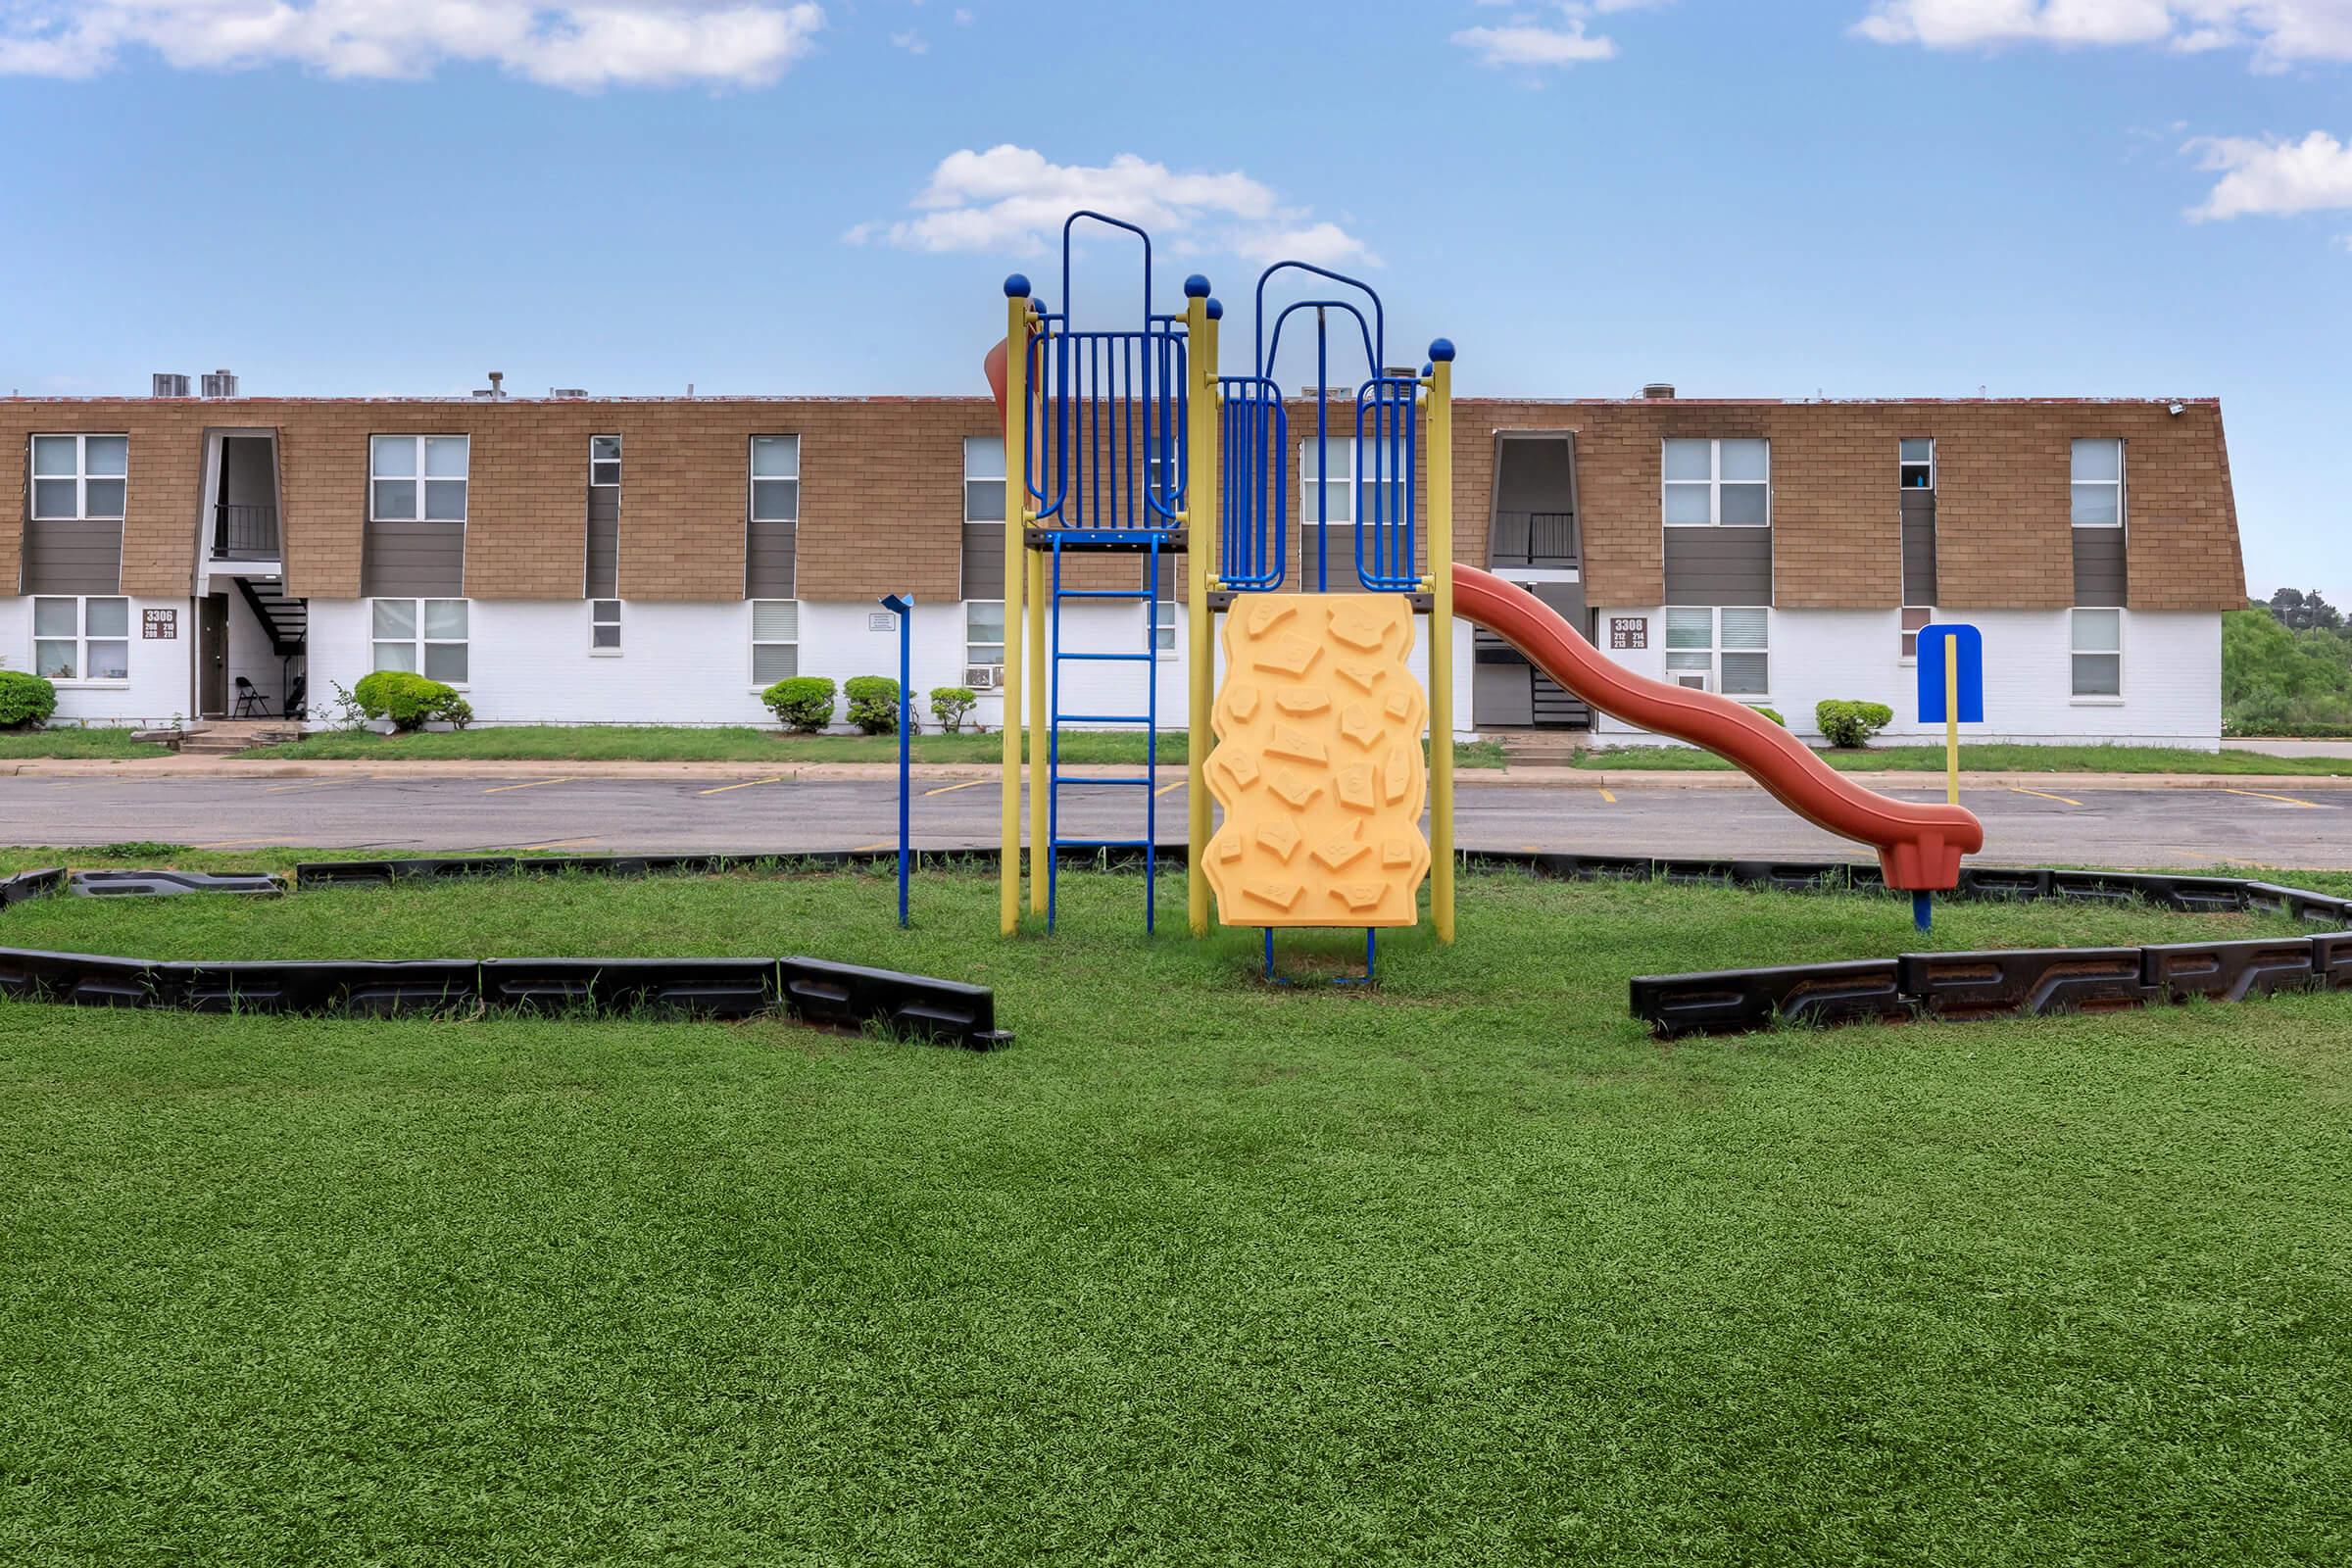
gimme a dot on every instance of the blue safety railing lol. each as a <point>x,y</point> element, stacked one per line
<point>1253,493</point>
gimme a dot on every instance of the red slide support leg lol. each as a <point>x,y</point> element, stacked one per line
<point>1919,845</point>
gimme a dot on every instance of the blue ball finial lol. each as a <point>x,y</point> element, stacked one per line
<point>1442,350</point>
<point>1016,287</point>
<point>1428,371</point>
<point>1217,309</point>
<point>1196,287</point>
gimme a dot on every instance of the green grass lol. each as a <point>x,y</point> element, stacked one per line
<point>1988,760</point>
<point>74,742</point>
<point>574,743</point>
<point>1465,1269</point>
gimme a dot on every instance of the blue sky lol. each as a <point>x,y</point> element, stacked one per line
<point>1839,197</point>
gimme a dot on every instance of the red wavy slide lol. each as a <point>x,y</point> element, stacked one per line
<point>1919,845</point>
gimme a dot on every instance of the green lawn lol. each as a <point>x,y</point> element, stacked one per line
<point>74,742</point>
<point>1464,1270</point>
<point>1988,760</point>
<point>575,743</point>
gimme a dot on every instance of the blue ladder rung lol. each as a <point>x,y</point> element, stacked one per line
<point>1107,593</point>
<point>1103,843</point>
<point>1108,658</point>
<point>1061,720</point>
<point>1058,781</point>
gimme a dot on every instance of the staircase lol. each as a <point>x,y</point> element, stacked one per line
<point>227,736</point>
<point>1540,748</point>
<point>288,620</point>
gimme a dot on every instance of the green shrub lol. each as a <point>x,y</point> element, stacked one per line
<point>873,704</point>
<point>1773,714</point>
<point>409,700</point>
<point>26,700</point>
<point>952,705</point>
<point>803,704</point>
<point>1851,725</point>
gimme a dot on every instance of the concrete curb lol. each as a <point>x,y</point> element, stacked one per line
<point>1632,780</point>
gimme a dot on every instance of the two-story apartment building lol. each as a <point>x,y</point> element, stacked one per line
<point>660,561</point>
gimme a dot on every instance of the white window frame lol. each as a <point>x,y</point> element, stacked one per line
<point>983,477</point>
<point>418,478</point>
<point>752,479</point>
<point>2075,651</point>
<point>82,637</point>
<point>597,620</point>
<point>754,642</point>
<point>1341,460</point>
<point>971,656</point>
<point>1909,644</point>
<point>81,478</point>
<point>2122,458</point>
<point>419,641</point>
<point>1714,482</point>
<point>1902,463</point>
<point>1715,650</point>
<point>1167,636</point>
<point>597,465</point>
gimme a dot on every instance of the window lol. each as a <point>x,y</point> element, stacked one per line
<point>1338,494</point>
<point>603,461</point>
<point>604,625</point>
<point>983,479</point>
<point>775,641</point>
<point>81,639</point>
<point>423,635</point>
<point>418,477</point>
<point>2098,475</point>
<point>984,631</point>
<point>1915,620</point>
<point>776,481</point>
<point>1919,462</point>
<point>1163,625</point>
<point>1719,650</point>
<point>77,476</point>
<point>2098,653</point>
<point>1722,483</point>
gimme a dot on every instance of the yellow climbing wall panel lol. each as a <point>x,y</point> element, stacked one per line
<point>1318,763</point>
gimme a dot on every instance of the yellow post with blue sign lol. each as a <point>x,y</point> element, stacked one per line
<point>1951,692</point>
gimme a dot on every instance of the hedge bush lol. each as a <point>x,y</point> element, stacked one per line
<point>409,700</point>
<point>1851,725</point>
<point>26,700</point>
<point>952,705</point>
<point>1773,714</point>
<point>803,704</point>
<point>873,704</point>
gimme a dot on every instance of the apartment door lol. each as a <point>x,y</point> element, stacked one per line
<point>211,656</point>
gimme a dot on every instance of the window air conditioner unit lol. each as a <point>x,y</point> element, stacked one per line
<point>983,677</point>
<point>1697,683</point>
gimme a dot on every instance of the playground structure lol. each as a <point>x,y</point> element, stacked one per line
<point>1131,442</point>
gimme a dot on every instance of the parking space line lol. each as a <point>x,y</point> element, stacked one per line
<point>230,844</point>
<point>1606,796</point>
<point>886,844</point>
<point>310,784</point>
<point>746,784</point>
<point>533,785</point>
<point>558,844</point>
<point>2019,789</point>
<point>950,789</point>
<point>2287,798</point>
<point>1165,788</point>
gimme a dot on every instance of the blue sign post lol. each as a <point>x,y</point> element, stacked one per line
<point>1952,693</point>
<point>903,607</point>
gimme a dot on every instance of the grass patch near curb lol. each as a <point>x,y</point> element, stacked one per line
<point>1988,760</point>
<point>1466,1268</point>
<point>96,742</point>
<point>650,743</point>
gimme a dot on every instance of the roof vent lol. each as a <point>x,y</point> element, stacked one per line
<point>1657,389</point>
<point>567,391</point>
<point>496,390</point>
<point>171,385</point>
<point>220,384</point>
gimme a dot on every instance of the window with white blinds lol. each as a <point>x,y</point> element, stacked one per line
<point>775,640</point>
<point>1725,649</point>
<point>775,478</point>
<point>2097,653</point>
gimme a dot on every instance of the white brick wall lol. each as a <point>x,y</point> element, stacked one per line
<point>159,686</point>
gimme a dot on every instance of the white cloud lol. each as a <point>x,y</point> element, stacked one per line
<point>576,44</point>
<point>1530,42</point>
<point>2274,178</point>
<point>911,41</point>
<point>2277,32</point>
<point>1014,199</point>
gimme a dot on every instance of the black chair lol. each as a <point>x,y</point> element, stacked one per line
<point>250,701</point>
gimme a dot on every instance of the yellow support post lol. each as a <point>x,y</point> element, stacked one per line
<point>1017,507</point>
<point>1440,637</point>
<point>1951,719</point>
<point>1041,672</point>
<point>1200,533</point>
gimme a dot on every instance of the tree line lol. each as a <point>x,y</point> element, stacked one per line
<point>2286,666</point>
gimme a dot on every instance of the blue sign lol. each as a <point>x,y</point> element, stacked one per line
<point>1943,641</point>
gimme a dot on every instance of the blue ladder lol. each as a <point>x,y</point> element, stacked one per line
<point>1149,719</point>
